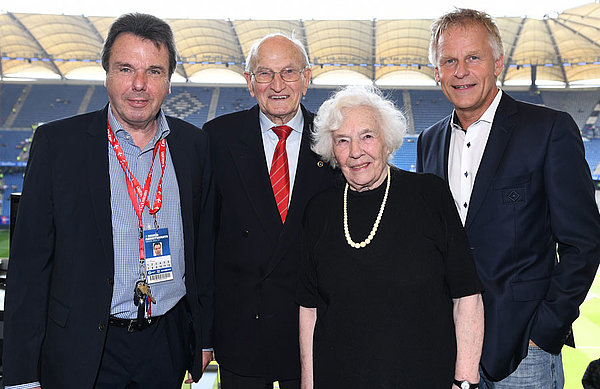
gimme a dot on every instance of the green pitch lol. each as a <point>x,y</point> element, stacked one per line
<point>3,243</point>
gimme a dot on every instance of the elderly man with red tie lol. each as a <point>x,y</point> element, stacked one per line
<point>265,175</point>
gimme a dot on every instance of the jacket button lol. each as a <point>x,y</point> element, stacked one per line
<point>245,233</point>
<point>110,281</point>
<point>101,326</point>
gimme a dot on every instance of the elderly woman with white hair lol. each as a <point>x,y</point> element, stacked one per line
<point>389,295</point>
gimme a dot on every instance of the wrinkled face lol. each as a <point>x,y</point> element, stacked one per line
<point>278,100</point>
<point>360,149</point>
<point>467,70</point>
<point>137,80</point>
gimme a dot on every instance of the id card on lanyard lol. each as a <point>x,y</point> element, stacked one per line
<point>158,256</point>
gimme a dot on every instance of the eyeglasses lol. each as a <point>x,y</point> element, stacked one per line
<point>287,75</point>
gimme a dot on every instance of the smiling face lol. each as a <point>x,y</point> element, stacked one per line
<point>137,81</point>
<point>467,70</point>
<point>360,149</point>
<point>278,100</point>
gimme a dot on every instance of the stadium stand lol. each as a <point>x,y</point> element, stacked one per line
<point>13,143</point>
<point>315,97</point>
<point>49,102</point>
<point>233,99</point>
<point>578,103</point>
<point>189,104</point>
<point>428,106</point>
<point>9,95</point>
<point>98,99</point>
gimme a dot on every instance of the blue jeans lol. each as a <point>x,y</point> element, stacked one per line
<point>539,370</point>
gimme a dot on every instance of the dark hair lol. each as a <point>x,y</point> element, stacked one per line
<point>146,27</point>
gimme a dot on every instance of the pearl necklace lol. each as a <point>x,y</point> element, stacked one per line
<point>365,242</point>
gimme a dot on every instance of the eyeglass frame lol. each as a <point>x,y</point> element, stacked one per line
<point>300,74</point>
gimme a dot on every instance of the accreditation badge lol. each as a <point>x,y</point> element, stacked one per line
<point>159,267</point>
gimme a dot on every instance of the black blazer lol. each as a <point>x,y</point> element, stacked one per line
<point>533,193</point>
<point>61,268</point>
<point>256,256</point>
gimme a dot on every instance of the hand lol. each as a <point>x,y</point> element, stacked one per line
<point>207,357</point>
<point>189,379</point>
<point>532,343</point>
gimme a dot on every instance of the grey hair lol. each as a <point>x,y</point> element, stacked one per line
<point>464,17</point>
<point>330,117</point>
<point>253,53</point>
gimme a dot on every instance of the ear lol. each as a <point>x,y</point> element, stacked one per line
<point>306,76</point>
<point>436,74</point>
<point>499,65</point>
<point>248,78</point>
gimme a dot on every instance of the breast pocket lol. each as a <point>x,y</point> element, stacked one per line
<point>513,190</point>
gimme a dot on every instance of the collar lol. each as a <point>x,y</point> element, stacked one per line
<point>297,122</point>
<point>162,129</point>
<point>488,115</point>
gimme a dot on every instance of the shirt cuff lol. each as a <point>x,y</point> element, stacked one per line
<point>24,386</point>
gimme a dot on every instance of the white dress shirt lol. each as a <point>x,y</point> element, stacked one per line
<point>292,145</point>
<point>465,153</point>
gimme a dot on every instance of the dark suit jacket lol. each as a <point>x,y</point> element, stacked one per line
<point>533,191</point>
<point>61,268</point>
<point>256,256</point>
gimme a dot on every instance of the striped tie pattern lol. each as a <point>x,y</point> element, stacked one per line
<point>280,174</point>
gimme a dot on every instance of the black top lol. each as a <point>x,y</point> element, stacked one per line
<point>384,312</point>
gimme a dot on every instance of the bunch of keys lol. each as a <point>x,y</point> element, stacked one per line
<point>141,297</point>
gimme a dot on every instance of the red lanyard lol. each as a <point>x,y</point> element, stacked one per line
<point>133,186</point>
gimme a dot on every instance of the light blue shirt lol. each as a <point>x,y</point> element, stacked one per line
<point>292,145</point>
<point>125,222</point>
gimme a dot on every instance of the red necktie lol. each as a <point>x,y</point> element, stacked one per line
<point>280,175</point>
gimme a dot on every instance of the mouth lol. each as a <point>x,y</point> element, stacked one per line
<point>138,102</point>
<point>278,97</point>
<point>361,166</point>
<point>463,87</point>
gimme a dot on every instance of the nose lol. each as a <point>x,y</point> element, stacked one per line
<point>139,81</point>
<point>355,149</point>
<point>462,69</point>
<point>277,84</point>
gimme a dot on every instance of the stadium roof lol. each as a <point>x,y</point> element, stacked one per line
<point>562,49</point>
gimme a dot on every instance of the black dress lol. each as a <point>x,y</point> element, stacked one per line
<point>384,312</point>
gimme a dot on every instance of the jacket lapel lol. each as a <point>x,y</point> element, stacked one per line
<point>96,171</point>
<point>443,152</point>
<point>502,128</point>
<point>249,158</point>
<point>178,150</point>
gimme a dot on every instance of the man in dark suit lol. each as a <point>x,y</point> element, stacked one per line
<point>523,189</point>
<point>81,256</point>
<point>258,218</point>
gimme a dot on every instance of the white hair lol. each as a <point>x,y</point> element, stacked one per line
<point>331,116</point>
<point>253,53</point>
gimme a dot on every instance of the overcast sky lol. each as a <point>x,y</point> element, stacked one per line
<point>289,9</point>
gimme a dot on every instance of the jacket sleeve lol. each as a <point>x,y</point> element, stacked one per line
<point>30,266</point>
<point>575,224</point>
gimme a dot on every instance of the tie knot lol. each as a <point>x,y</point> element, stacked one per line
<point>282,132</point>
